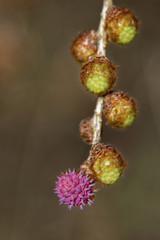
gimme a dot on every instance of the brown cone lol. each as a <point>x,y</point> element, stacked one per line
<point>86,130</point>
<point>103,68</point>
<point>84,46</point>
<point>101,151</point>
<point>114,112</point>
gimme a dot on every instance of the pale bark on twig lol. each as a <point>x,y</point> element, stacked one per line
<point>97,117</point>
<point>102,42</point>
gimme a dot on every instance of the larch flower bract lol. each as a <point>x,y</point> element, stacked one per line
<point>75,189</point>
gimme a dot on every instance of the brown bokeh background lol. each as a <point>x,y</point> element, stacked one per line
<point>41,105</point>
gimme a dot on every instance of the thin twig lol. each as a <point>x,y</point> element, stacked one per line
<point>102,42</point>
<point>97,117</point>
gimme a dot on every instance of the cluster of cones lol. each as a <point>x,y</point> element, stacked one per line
<point>98,75</point>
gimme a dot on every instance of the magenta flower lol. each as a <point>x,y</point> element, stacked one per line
<point>75,189</point>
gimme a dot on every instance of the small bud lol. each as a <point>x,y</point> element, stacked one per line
<point>86,130</point>
<point>119,109</point>
<point>106,163</point>
<point>84,46</point>
<point>121,24</point>
<point>98,75</point>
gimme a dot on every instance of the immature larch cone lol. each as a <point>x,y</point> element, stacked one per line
<point>84,46</point>
<point>86,130</point>
<point>75,189</point>
<point>121,25</point>
<point>119,109</point>
<point>98,75</point>
<point>106,163</point>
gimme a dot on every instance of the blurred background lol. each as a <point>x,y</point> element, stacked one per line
<point>41,105</point>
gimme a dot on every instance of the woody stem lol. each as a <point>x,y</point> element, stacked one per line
<point>102,43</point>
